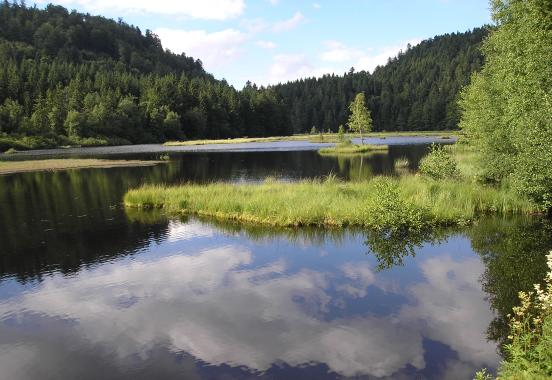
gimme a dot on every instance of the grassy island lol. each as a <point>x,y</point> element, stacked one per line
<point>406,201</point>
<point>384,202</point>
<point>352,149</point>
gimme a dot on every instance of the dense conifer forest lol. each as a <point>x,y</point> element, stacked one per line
<point>70,78</point>
<point>418,90</point>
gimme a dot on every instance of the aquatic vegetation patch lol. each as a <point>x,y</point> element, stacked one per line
<point>349,148</point>
<point>407,202</point>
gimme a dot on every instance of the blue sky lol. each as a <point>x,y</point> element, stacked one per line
<point>269,41</point>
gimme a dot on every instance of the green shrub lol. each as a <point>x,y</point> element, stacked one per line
<point>388,210</point>
<point>439,164</point>
<point>529,353</point>
<point>341,134</point>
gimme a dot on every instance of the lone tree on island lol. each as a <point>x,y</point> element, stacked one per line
<point>360,120</point>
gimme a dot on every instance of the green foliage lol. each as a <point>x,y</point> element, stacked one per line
<point>385,203</point>
<point>439,164</point>
<point>391,211</point>
<point>530,350</point>
<point>360,120</point>
<point>70,76</point>
<point>417,90</point>
<point>348,147</point>
<point>507,109</point>
<point>341,133</point>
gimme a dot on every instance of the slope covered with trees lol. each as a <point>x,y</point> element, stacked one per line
<point>418,90</point>
<point>73,78</point>
<point>68,77</point>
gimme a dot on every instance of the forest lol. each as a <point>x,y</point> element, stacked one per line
<point>417,90</point>
<point>68,78</point>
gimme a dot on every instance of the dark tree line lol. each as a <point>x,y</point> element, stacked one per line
<point>72,78</point>
<point>68,77</point>
<point>418,90</point>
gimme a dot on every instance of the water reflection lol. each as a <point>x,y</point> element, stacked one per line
<point>259,306</point>
<point>63,220</point>
<point>91,290</point>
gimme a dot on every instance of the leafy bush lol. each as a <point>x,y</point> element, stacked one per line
<point>530,348</point>
<point>439,164</point>
<point>389,210</point>
<point>506,108</point>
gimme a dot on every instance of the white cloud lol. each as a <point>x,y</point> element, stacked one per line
<point>361,59</point>
<point>255,25</point>
<point>204,9</point>
<point>208,306</point>
<point>452,308</point>
<point>380,57</point>
<point>289,24</point>
<point>266,44</point>
<point>338,52</point>
<point>214,49</point>
<point>187,231</point>
<point>336,59</point>
<point>274,2</point>
<point>316,6</point>
<point>289,67</point>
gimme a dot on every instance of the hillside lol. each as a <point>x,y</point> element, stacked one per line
<point>68,78</point>
<point>418,90</point>
<point>72,78</point>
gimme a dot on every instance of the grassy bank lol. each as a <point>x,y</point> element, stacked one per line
<point>10,167</point>
<point>324,137</point>
<point>352,149</point>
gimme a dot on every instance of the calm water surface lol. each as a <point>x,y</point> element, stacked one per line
<point>89,290</point>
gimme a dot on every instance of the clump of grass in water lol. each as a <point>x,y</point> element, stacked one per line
<point>530,348</point>
<point>402,162</point>
<point>383,202</point>
<point>347,147</point>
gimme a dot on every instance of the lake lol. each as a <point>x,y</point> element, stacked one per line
<point>90,290</point>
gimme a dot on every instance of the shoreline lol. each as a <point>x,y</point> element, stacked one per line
<point>29,166</point>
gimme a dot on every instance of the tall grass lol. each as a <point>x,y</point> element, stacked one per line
<point>384,202</point>
<point>349,148</point>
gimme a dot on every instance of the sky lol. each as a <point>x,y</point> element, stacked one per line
<point>272,41</point>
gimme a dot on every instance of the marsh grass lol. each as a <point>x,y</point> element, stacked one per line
<point>407,201</point>
<point>324,137</point>
<point>349,148</point>
<point>384,202</point>
<point>402,162</point>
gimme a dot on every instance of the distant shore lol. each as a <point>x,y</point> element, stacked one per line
<point>11,167</point>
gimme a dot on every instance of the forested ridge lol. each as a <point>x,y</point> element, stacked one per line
<point>69,78</point>
<point>72,78</point>
<point>417,90</point>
